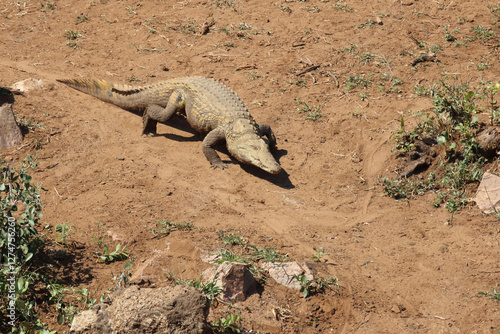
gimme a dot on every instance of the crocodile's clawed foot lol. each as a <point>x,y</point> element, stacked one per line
<point>148,134</point>
<point>220,165</point>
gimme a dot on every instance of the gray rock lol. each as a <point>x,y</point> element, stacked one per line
<point>30,85</point>
<point>283,273</point>
<point>488,193</point>
<point>10,133</point>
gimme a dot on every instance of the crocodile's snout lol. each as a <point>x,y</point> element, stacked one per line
<point>256,152</point>
<point>271,166</point>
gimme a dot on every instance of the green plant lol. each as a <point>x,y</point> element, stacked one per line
<point>266,254</point>
<point>227,325</point>
<point>311,9</point>
<point>65,312</point>
<point>453,125</point>
<point>100,237</point>
<point>394,189</point>
<point>28,123</point>
<point>365,57</point>
<point>81,18</point>
<point>225,3</point>
<point>300,83</point>
<point>285,9</point>
<point>72,37</point>
<point>209,289</point>
<point>132,10</point>
<point>313,114</point>
<point>63,233</point>
<point>253,76</point>
<point>164,228</point>
<point>422,91</point>
<point>436,48</point>
<point>493,9</point>
<point>490,92</point>
<point>232,240</point>
<point>449,37</point>
<point>85,297</point>
<point>48,5</point>
<point>316,285</point>
<point>483,32</point>
<point>225,255</point>
<point>122,277</point>
<point>350,49</point>
<point>357,81</point>
<point>132,79</point>
<point>319,254</point>
<point>342,6</point>
<point>20,213</point>
<point>190,28</point>
<point>150,30</point>
<point>120,253</point>
<point>19,236</point>
<point>366,263</point>
<point>368,23</point>
<point>494,294</point>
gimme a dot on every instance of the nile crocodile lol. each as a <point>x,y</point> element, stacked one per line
<point>210,107</point>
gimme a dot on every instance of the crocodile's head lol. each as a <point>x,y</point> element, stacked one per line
<point>254,151</point>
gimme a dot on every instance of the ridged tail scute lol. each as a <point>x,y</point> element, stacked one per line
<point>119,95</point>
<point>127,90</point>
<point>93,87</point>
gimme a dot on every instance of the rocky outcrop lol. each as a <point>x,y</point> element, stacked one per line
<point>177,309</point>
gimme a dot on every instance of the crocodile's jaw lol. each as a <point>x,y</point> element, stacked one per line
<point>255,152</point>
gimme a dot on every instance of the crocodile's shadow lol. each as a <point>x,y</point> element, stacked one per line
<point>180,123</point>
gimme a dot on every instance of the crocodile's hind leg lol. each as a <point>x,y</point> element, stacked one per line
<point>155,113</point>
<point>265,130</point>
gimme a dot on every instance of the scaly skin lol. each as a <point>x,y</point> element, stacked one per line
<point>210,107</point>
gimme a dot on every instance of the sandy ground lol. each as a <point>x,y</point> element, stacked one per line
<point>402,267</point>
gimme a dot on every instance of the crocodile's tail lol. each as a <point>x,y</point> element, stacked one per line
<point>123,96</point>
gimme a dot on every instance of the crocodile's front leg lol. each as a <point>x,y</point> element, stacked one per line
<point>265,130</point>
<point>210,140</point>
<point>155,113</point>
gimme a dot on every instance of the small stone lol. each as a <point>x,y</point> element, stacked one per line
<point>396,309</point>
<point>234,278</point>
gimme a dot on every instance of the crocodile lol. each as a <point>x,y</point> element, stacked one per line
<point>210,107</point>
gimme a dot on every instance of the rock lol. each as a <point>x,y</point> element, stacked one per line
<point>234,278</point>
<point>10,133</point>
<point>489,140</point>
<point>424,57</point>
<point>488,193</point>
<point>95,320</point>
<point>31,84</point>
<point>283,273</point>
<point>177,309</point>
<point>397,309</point>
<point>415,167</point>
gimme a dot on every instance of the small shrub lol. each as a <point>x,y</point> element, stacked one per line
<point>315,285</point>
<point>453,125</point>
